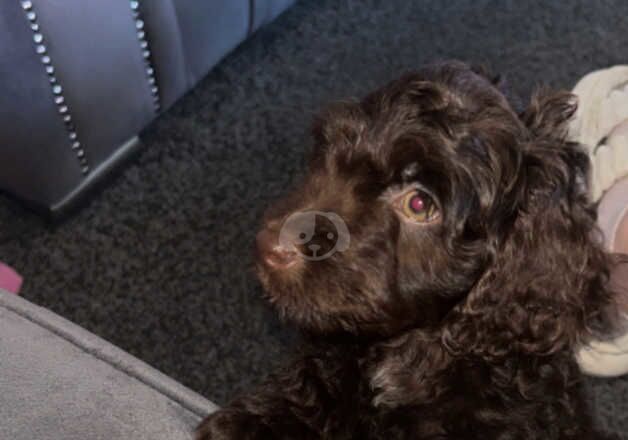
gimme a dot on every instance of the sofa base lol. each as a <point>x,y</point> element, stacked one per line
<point>94,182</point>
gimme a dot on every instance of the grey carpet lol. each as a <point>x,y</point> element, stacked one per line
<point>159,262</point>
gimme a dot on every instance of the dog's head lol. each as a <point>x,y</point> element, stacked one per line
<point>433,204</point>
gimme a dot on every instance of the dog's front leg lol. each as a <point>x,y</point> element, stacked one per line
<point>313,398</point>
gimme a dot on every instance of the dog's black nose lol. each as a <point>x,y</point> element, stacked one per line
<point>271,253</point>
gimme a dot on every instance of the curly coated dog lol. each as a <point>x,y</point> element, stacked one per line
<point>442,259</point>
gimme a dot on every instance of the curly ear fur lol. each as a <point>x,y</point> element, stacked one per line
<point>553,301</point>
<point>544,288</point>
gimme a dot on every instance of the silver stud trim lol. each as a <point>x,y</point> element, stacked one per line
<point>146,53</point>
<point>55,87</point>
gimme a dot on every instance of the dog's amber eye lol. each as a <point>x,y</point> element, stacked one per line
<point>419,206</point>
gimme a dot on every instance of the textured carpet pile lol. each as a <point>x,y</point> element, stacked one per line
<point>159,262</point>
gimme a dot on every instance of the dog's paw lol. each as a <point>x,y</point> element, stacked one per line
<point>232,425</point>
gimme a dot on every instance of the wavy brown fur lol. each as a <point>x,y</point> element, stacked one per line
<point>460,330</point>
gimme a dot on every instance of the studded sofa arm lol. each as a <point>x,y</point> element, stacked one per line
<point>79,80</point>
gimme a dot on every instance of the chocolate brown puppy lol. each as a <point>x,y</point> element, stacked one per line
<point>442,258</point>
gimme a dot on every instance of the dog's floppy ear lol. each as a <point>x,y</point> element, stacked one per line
<point>544,287</point>
<point>546,282</point>
<point>548,114</point>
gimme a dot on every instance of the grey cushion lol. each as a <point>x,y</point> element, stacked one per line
<point>59,381</point>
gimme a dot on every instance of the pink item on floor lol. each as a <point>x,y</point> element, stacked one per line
<point>10,280</point>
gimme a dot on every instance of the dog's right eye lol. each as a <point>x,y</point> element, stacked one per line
<point>418,206</point>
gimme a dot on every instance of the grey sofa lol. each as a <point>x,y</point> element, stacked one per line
<point>79,79</point>
<point>59,381</point>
